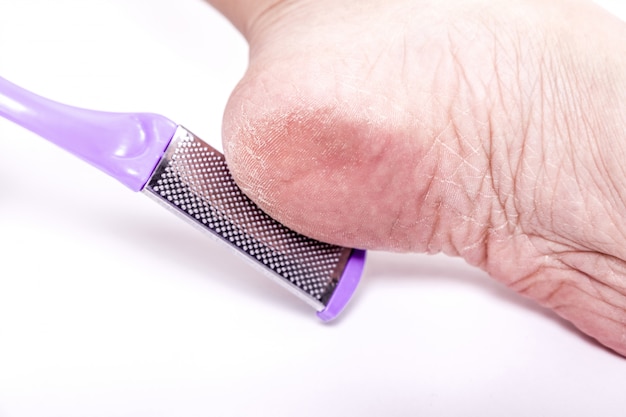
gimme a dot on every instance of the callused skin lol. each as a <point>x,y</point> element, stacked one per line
<point>490,130</point>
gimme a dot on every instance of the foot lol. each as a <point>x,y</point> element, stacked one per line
<point>490,130</point>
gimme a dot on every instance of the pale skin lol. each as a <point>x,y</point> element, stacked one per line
<point>490,130</point>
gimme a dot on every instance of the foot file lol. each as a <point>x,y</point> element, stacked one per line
<point>149,153</point>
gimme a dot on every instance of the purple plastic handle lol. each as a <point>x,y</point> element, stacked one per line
<point>127,146</point>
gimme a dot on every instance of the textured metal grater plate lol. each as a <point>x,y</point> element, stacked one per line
<point>193,180</point>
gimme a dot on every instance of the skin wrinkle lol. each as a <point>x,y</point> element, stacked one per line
<point>581,168</point>
<point>604,308</point>
<point>270,15</point>
<point>481,256</point>
<point>583,175</point>
<point>536,282</point>
<point>600,291</point>
<point>547,90</point>
<point>606,269</point>
<point>429,226</point>
<point>396,225</point>
<point>464,151</point>
<point>527,284</point>
<point>499,182</point>
<point>604,181</point>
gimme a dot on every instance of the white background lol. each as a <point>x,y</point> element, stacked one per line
<point>110,306</point>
